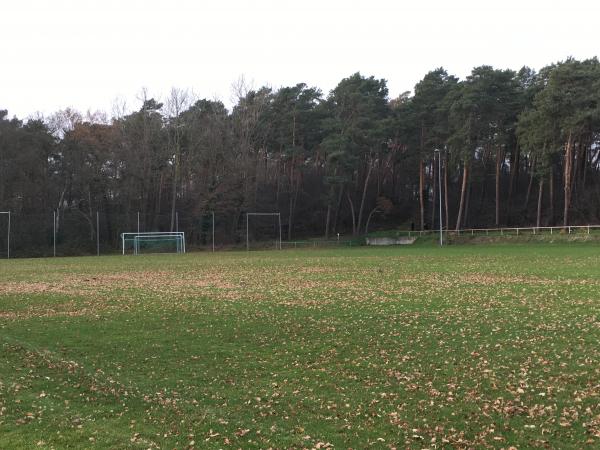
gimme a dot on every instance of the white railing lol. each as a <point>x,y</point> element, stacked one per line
<point>569,229</point>
<point>316,243</point>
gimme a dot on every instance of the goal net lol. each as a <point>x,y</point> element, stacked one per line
<point>153,242</point>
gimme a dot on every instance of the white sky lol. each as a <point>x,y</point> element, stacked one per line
<point>87,53</point>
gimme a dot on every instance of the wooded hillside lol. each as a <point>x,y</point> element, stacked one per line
<point>517,148</point>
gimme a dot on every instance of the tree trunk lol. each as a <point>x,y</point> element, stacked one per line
<point>446,192</point>
<point>354,233</point>
<point>483,195</point>
<point>379,180</point>
<point>434,196</point>
<point>575,163</point>
<point>176,171</point>
<point>499,159</point>
<point>59,206</point>
<point>514,170</point>
<point>539,203</point>
<point>330,199</point>
<point>290,215</point>
<point>551,195</point>
<point>338,208</point>
<point>463,191</point>
<point>529,187</point>
<point>327,219</point>
<point>91,214</point>
<point>291,201</point>
<point>373,211</point>
<point>293,208</point>
<point>108,217</point>
<point>362,200</point>
<point>567,178</point>
<point>2,179</point>
<point>277,178</point>
<point>422,177</point>
<point>256,179</point>
<point>467,203</point>
<point>584,165</point>
<point>158,202</point>
<point>421,194</point>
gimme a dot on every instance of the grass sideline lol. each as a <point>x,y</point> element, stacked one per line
<point>418,347</point>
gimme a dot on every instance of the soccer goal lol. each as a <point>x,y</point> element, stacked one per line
<point>153,242</point>
<point>277,227</point>
<point>6,225</point>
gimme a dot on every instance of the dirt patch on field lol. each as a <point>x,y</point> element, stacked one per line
<point>151,280</point>
<point>492,279</point>
<point>73,285</point>
<point>90,294</point>
<point>41,312</point>
<point>35,287</point>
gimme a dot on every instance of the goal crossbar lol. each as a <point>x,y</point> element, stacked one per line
<point>153,236</point>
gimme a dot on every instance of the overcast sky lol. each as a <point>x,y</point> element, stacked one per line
<point>85,54</point>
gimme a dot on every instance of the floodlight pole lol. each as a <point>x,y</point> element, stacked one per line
<point>439,155</point>
<point>247,230</point>
<point>138,222</point>
<point>176,221</point>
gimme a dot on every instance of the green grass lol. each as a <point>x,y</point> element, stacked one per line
<point>464,347</point>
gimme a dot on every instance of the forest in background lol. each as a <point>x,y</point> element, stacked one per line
<point>515,148</point>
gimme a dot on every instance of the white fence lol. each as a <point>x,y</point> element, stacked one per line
<point>585,229</point>
<point>502,231</point>
<point>316,243</point>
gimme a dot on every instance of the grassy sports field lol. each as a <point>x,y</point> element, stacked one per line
<point>468,346</point>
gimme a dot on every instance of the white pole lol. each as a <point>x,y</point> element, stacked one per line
<point>213,231</point>
<point>54,233</point>
<point>123,242</point>
<point>138,222</point>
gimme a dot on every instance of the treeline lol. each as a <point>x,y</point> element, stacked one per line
<point>515,148</point>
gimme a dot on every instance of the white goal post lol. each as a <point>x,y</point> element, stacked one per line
<point>141,240</point>
<point>278,215</point>
<point>7,213</point>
